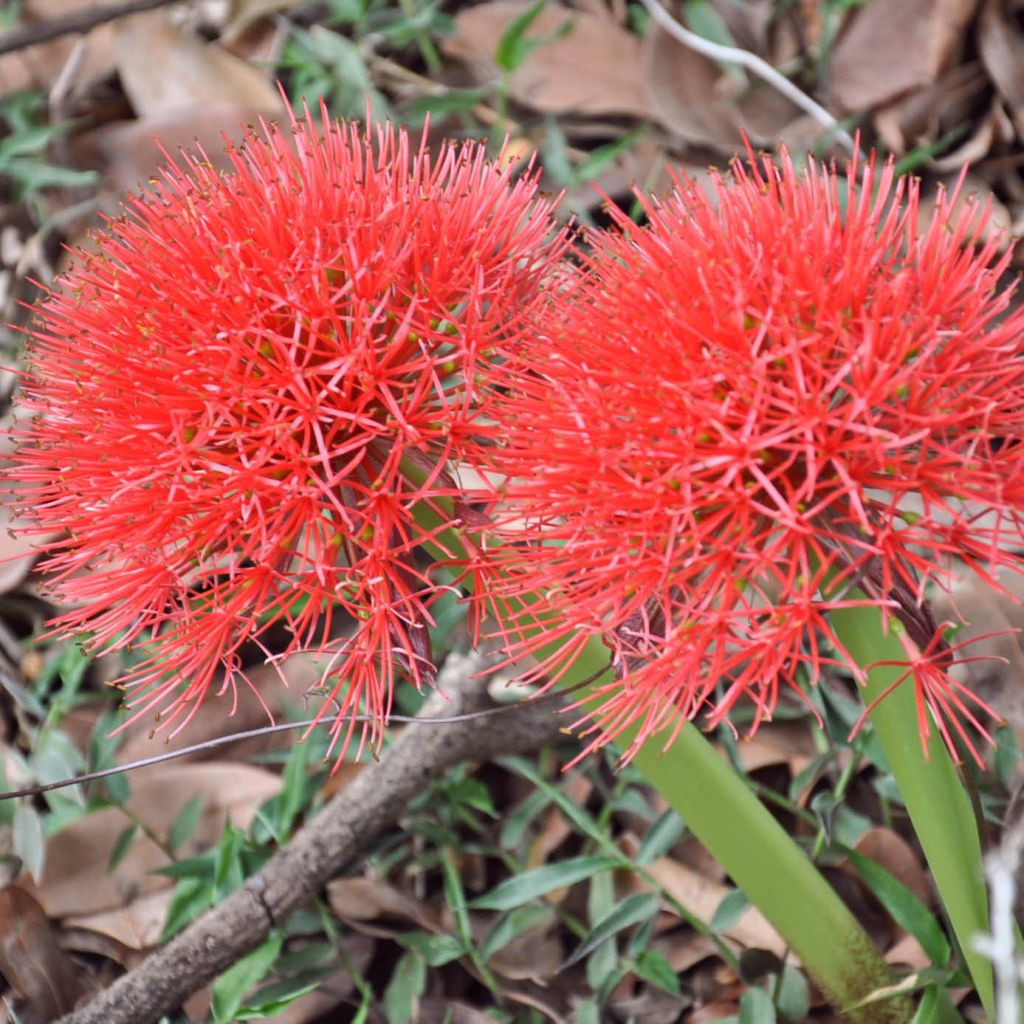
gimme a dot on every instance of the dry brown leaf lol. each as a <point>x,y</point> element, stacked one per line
<point>785,743</point>
<point>1001,44</point>
<point>702,896</point>
<point>927,114</point>
<point>138,925</point>
<point>694,98</point>
<point>76,881</point>
<point>243,14</point>
<point>891,48</point>
<point>357,901</point>
<point>166,69</point>
<point>46,980</point>
<point>591,70</point>
<point>998,678</point>
<point>132,152</point>
<point>535,955</point>
<point>973,190</point>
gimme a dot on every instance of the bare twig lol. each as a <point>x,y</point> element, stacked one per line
<point>81,20</point>
<point>1002,866</point>
<point>754,64</point>
<point>349,823</point>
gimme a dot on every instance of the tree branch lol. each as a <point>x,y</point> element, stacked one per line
<point>342,831</point>
<point>82,20</point>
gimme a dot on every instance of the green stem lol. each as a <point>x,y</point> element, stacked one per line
<point>767,864</point>
<point>760,857</point>
<point>933,793</point>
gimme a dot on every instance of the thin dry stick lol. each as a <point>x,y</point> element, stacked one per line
<point>342,831</point>
<point>269,730</point>
<point>82,20</point>
<point>754,64</point>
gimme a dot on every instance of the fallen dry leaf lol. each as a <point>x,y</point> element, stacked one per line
<point>137,925</point>
<point>700,103</point>
<point>925,115</point>
<point>593,69</point>
<point>891,48</point>
<point>133,152</point>
<point>998,677</point>
<point>166,69</point>
<point>76,881</point>
<point>1001,45</point>
<point>358,901</point>
<point>702,896</point>
<point>46,980</point>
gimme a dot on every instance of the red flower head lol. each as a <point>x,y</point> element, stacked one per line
<point>242,399</point>
<point>753,408</point>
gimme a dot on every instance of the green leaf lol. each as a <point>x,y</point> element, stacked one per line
<point>268,1009</point>
<point>904,907</point>
<point>633,909</point>
<point>185,823</point>
<point>792,997</point>
<point>513,46</point>
<point>436,950</point>
<point>29,839</point>
<point>191,897</point>
<point>654,968</point>
<point>405,988</point>
<point>514,892</point>
<point>662,836</point>
<point>729,911</point>
<point>756,1007</point>
<point>292,797</point>
<point>229,990</point>
<point>122,846</point>
<point>228,874</point>
<point>602,956</point>
<point>514,924</point>
<point>517,824</point>
<point>576,814</point>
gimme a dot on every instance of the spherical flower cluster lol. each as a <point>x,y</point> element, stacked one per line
<point>763,406</point>
<point>243,405</point>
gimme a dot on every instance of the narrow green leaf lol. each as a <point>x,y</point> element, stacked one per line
<point>122,846</point>
<point>436,950</point>
<point>513,46</point>
<point>661,837</point>
<point>511,51</point>
<point>756,1007</point>
<point>512,925</point>
<point>29,839</point>
<point>630,911</point>
<point>654,968</point>
<point>729,911</point>
<point>229,990</point>
<point>904,907</point>
<point>793,996</point>
<point>184,823</point>
<point>405,988</point>
<point>514,892</point>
